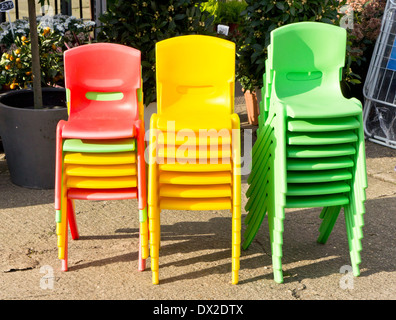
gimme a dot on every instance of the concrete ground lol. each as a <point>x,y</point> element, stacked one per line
<point>195,255</point>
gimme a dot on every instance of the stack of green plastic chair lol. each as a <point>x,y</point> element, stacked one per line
<point>310,143</point>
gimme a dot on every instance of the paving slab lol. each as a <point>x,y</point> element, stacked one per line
<point>195,255</point>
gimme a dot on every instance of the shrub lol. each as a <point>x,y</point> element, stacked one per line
<point>55,35</point>
<point>140,24</point>
<point>16,62</point>
<point>367,15</point>
<point>225,12</point>
<point>59,24</point>
<point>261,17</point>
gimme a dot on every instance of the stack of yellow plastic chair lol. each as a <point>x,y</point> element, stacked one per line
<point>100,149</point>
<point>310,146</point>
<point>194,152</point>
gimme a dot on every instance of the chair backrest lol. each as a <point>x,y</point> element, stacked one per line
<point>308,50</point>
<point>195,67</point>
<point>98,74</point>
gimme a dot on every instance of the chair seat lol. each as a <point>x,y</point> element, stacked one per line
<point>311,189</point>
<point>198,178</point>
<point>188,137</point>
<point>193,191</point>
<point>110,145</point>
<point>318,176</point>
<point>319,164</point>
<point>318,104</point>
<point>102,182</point>
<point>198,167</point>
<point>320,151</point>
<point>194,153</point>
<point>317,201</point>
<point>102,194</point>
<point>195,204</point>
<point>100,170</point>
<point>321,138</point>
<point>322,125</point>
<point>100,158</point>
<point>82,128</point>
<point>202,117</point>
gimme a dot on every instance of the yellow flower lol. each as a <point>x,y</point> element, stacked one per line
<point>46,30</point>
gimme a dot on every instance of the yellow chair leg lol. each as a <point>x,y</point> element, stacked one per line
<point>236,242</point>
<point>144,243</point>
<point>154,223</point>
<point>236,197</point>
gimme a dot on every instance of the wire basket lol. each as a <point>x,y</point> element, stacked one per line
<point>380,86</point>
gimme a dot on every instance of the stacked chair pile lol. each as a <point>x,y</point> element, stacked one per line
<point>194,157</point>
<point>310,144</point>
<point>100,149</point>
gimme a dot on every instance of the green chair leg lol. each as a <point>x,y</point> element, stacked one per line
<point>329,216</point>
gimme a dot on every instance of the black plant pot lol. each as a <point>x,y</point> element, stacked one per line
<point>29,135</point>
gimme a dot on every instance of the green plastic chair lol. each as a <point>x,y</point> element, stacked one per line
<point>310,144</point>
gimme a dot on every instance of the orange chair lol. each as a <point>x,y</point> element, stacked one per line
<point>100,149</point>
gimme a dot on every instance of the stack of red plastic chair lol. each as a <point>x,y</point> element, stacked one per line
<point>100,149</point>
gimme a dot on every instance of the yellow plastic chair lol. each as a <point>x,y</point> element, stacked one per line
<point>194,153</point>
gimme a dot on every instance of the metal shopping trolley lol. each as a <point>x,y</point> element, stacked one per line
<point>379,89</point>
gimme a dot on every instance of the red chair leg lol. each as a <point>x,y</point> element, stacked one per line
<point>142,262</point>
<point>71,215</point>
<point>142,199</point>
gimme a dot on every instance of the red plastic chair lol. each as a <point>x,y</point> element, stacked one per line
<point>103,86</point>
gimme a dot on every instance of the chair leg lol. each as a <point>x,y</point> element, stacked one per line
<point>354,224</point>
<point>144,234</point>
<point>71,215</point>
<point>142,261</point>
<point>275,225</point>
<point>64,265</point>
<point>142,199</point>
<point>62,231</point>
<point>236,197</point>
<point>236,243</point>
<point>329,216</point>
<point>154,224</point>
<point>143,239</point>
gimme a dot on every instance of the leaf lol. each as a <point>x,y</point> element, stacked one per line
<point>280,5</point>
<point>269,8</point>
<point>179,16</point>
<point>257,47</point>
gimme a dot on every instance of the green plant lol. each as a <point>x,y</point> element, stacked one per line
<point>367,17</point>
<point>141,24</point>
<point>261,17</point>
<point>16,61</point>
<point>230,11</point>
<point>226,11</point>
